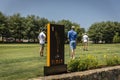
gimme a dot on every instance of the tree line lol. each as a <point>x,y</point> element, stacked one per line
<point>106,32</point>
<point>16,28</point>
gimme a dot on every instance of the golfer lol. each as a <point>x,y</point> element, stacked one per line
<point>42,38</point>
<point>85,42</point>
<point>72,35</point>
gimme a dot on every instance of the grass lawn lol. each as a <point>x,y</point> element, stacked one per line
<point>22,61</point>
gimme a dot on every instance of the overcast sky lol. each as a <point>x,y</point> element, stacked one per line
<point>83,12</point>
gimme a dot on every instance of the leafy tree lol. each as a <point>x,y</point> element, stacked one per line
<point>95,32</point>
<point>33,25</point>
<point>16,26</point>
<point>79,31</point>
<point>68,25</point>
<point>4,30</point>
<point>31,28</point>
<point>116,38</point>
<point>103,31</point>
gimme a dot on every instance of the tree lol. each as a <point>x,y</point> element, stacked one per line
<point>116,38</point>
<point>95,32</point>
<point>68,25</point>
<point>4,30</point>
<point>33,25</point>
<point>103,31</point>
<point>31,28</point>
<point>16,26</point>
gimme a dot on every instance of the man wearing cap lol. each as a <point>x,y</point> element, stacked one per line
<point>41,38</point>
<point>72,35</point>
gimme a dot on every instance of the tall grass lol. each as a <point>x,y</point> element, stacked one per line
<point>22,61</point>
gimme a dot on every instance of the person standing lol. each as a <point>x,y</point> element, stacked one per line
<point>42,38</point>
<point>85,42</point>
<point>72,35</point>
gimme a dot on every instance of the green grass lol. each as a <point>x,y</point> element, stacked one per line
<point>22,61</point>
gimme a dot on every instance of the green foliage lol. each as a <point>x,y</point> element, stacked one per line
<point>91,62</point>
<point>73,65</point>
<point>68,25</point>
<point>116,38</point>
<point>103,31</point>
<point>18,27</point>
<point>83,63</point>
<point>4,29</point>
<point>112,60</point>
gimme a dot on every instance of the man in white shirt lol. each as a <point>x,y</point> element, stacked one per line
<point>85,42</point>
<point>41,38</point>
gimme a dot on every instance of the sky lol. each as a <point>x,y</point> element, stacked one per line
<point>83,12</point>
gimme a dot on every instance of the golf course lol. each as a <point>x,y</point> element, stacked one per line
<point>23,61</point>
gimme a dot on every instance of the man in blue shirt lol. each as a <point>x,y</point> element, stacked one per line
<point>72,35</point>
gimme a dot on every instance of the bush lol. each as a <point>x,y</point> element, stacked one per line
<point>88,62</point>
<point>83,63</point>
<point>91,62</point>
<point>73,65</point>
<point>112,60</point>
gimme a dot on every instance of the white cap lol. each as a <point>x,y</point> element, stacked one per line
<point>73,27</point>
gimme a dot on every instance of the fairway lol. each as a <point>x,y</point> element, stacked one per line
<point>22,61</point>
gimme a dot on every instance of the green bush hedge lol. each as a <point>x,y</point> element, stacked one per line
<point>83,63</point>
<point>112,60</point>
<point>91,62</point>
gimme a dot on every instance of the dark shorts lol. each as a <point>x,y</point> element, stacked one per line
<point>42,45</point>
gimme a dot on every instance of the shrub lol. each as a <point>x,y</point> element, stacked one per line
<point>73,65</point>
<point>83,63</point>
<point>112,60</point>
<point>88,62</point>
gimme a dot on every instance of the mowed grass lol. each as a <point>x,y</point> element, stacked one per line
<point>22,61</point>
